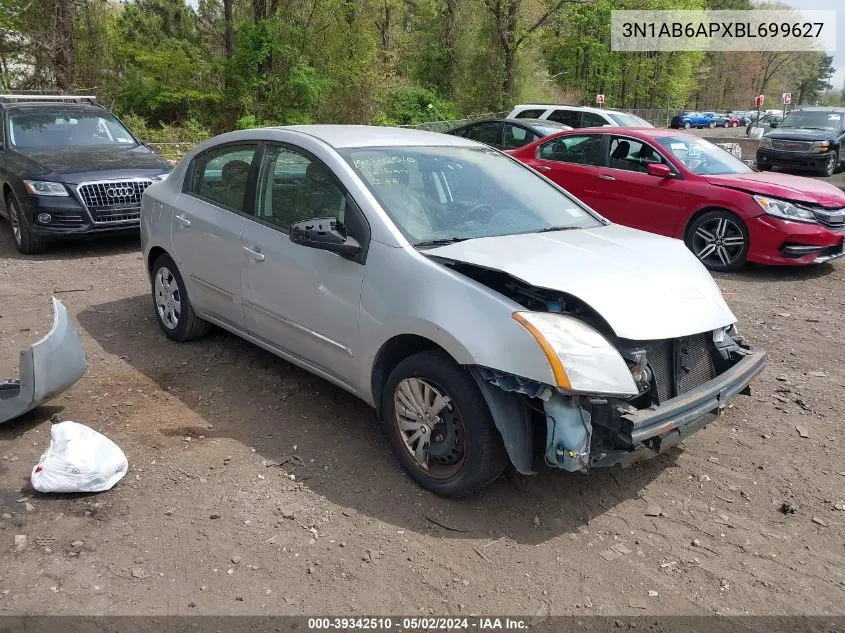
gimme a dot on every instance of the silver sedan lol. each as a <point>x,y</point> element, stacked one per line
<point>490,318</point>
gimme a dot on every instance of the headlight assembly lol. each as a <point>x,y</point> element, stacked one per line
<point>785,210</point>
<point>821,146</point>
<point>44,188</point>
<point>765,142</point>
<point>581,359</point>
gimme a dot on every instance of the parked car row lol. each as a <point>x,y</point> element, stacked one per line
<point>807,138</point>
<point>687,120</point>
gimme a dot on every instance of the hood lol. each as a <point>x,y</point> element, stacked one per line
<point>785,186</point>
<point>800,134</point>
<point>645,286</point>
<point>70,164</point>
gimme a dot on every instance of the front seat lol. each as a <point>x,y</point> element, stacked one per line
<point>233,176</point>
<point>618,156</point>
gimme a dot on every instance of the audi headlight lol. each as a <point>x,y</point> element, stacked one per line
<point>44,188</point>
<point>821,146</point>
<point>785,210</point>
<point>765,142</point>
<point>582,360</point>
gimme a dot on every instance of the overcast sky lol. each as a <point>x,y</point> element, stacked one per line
<point>839,54</point>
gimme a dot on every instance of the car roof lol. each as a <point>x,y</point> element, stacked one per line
<point>642,132</point>
<point>342,136</point>
<point>546,106</point>
<point>518,121</point>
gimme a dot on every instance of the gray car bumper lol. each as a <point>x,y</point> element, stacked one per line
<point>47,368</point>
<point>680,417</point>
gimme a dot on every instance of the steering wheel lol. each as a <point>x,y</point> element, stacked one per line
<point>479,211</point>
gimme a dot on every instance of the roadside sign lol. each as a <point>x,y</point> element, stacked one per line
<point>759,101</point>
<point>787,98</point>
<point>600,99</point>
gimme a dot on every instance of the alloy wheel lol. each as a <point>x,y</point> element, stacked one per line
<point>430,427</point>
<point>718,242</point>
<point>167,297</point>
<point>15,221</point>
<point>830,165</point>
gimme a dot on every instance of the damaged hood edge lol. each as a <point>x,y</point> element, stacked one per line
<point>645,286</point>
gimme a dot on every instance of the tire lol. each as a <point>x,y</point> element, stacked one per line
<point>726,124</point>
<point>470,454</point>
<point>687,125</point>
<point>25,241</point>
<point>711,125</point>
<point>719,239</point>
<point>764,168</point>
<point>831,164</point>
<point>182,324</point>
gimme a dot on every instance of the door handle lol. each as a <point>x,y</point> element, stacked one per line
<point>543,168</point>
<point>253,253</point>
<point>604,177</point>
<point>181,219</point>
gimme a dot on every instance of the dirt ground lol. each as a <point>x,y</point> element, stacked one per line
<point>255,488</point>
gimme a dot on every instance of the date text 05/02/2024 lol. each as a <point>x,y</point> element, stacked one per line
<point>417,624</point>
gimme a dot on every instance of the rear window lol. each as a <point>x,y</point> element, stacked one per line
<point>572,118</point>
<point>626,119</point>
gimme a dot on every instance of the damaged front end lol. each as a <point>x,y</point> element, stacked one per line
<point>46,369</point>
<point>682,385</point>
<point>617,401</point>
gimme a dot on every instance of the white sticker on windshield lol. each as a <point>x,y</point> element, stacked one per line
<point>693,151</point>
<point>680,146</point>
<point>121,139</point>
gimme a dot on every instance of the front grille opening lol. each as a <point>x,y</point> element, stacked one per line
<point>678,365</point>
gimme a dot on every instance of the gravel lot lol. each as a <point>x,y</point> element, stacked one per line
<point>255,488</point>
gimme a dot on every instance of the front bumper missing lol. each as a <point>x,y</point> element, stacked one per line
<point>46,369</point>
<point>650,431</point>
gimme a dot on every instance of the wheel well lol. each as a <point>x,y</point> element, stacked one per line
<point>701,212</point>
<point>7,191</point>
<point>155,251</point>
<point>391,354</point>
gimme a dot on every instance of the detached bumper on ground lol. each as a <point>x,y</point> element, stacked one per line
<point>652,430</point>
<point>47,368</point>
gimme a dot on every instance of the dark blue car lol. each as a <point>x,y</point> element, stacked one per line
<point>687,120</point>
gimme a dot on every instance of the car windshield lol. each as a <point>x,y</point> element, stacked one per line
<point>702,157</point>
<point>438,195</point>
<point>67,129</point>
<point>813,120</point>
<point>626,119</point>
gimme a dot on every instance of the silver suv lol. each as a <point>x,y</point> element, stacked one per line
<point>489,317</point>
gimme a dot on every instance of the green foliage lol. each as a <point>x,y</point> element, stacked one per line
<point>190,131</point>
<point>405,105</point>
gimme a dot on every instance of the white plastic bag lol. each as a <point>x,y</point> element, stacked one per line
<point>78,460</point>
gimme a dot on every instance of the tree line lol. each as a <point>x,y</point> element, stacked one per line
<point>223,64</point>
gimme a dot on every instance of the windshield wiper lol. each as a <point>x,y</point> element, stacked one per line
<point>441,242</point>
<point>549,229</point>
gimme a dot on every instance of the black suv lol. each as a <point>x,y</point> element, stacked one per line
<point>69,168</point>
<point>809,138</point>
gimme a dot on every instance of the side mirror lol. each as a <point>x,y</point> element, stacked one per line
<point>659,169</point>
<point>326,234</point>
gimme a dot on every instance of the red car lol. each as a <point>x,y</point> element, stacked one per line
<point>682,186</point>
<point>732,121</point>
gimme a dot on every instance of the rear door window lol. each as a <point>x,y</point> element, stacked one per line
<point>580,150</point>
<point>489,133</point>
<point>572,118</point>
<point>591,119</point>
<point>221,175</point>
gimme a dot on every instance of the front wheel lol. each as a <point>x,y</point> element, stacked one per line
<point>440,427</point>
<point>25,241</point>
<point>831,164</point>
<point>687,125</point>
<point>764,167</point>
<point>719,239</point>
<point>173,309</point>
<point>711,125</point>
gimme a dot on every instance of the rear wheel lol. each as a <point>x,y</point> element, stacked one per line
<point>440,427</point>
<point>25,241</point>
<point>719,239</point>
<point>173,309</point>
<point>712,125</point>
<point>687,125</point>
<point>764,168</point>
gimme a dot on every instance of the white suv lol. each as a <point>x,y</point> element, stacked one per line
<point>578,116</point>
